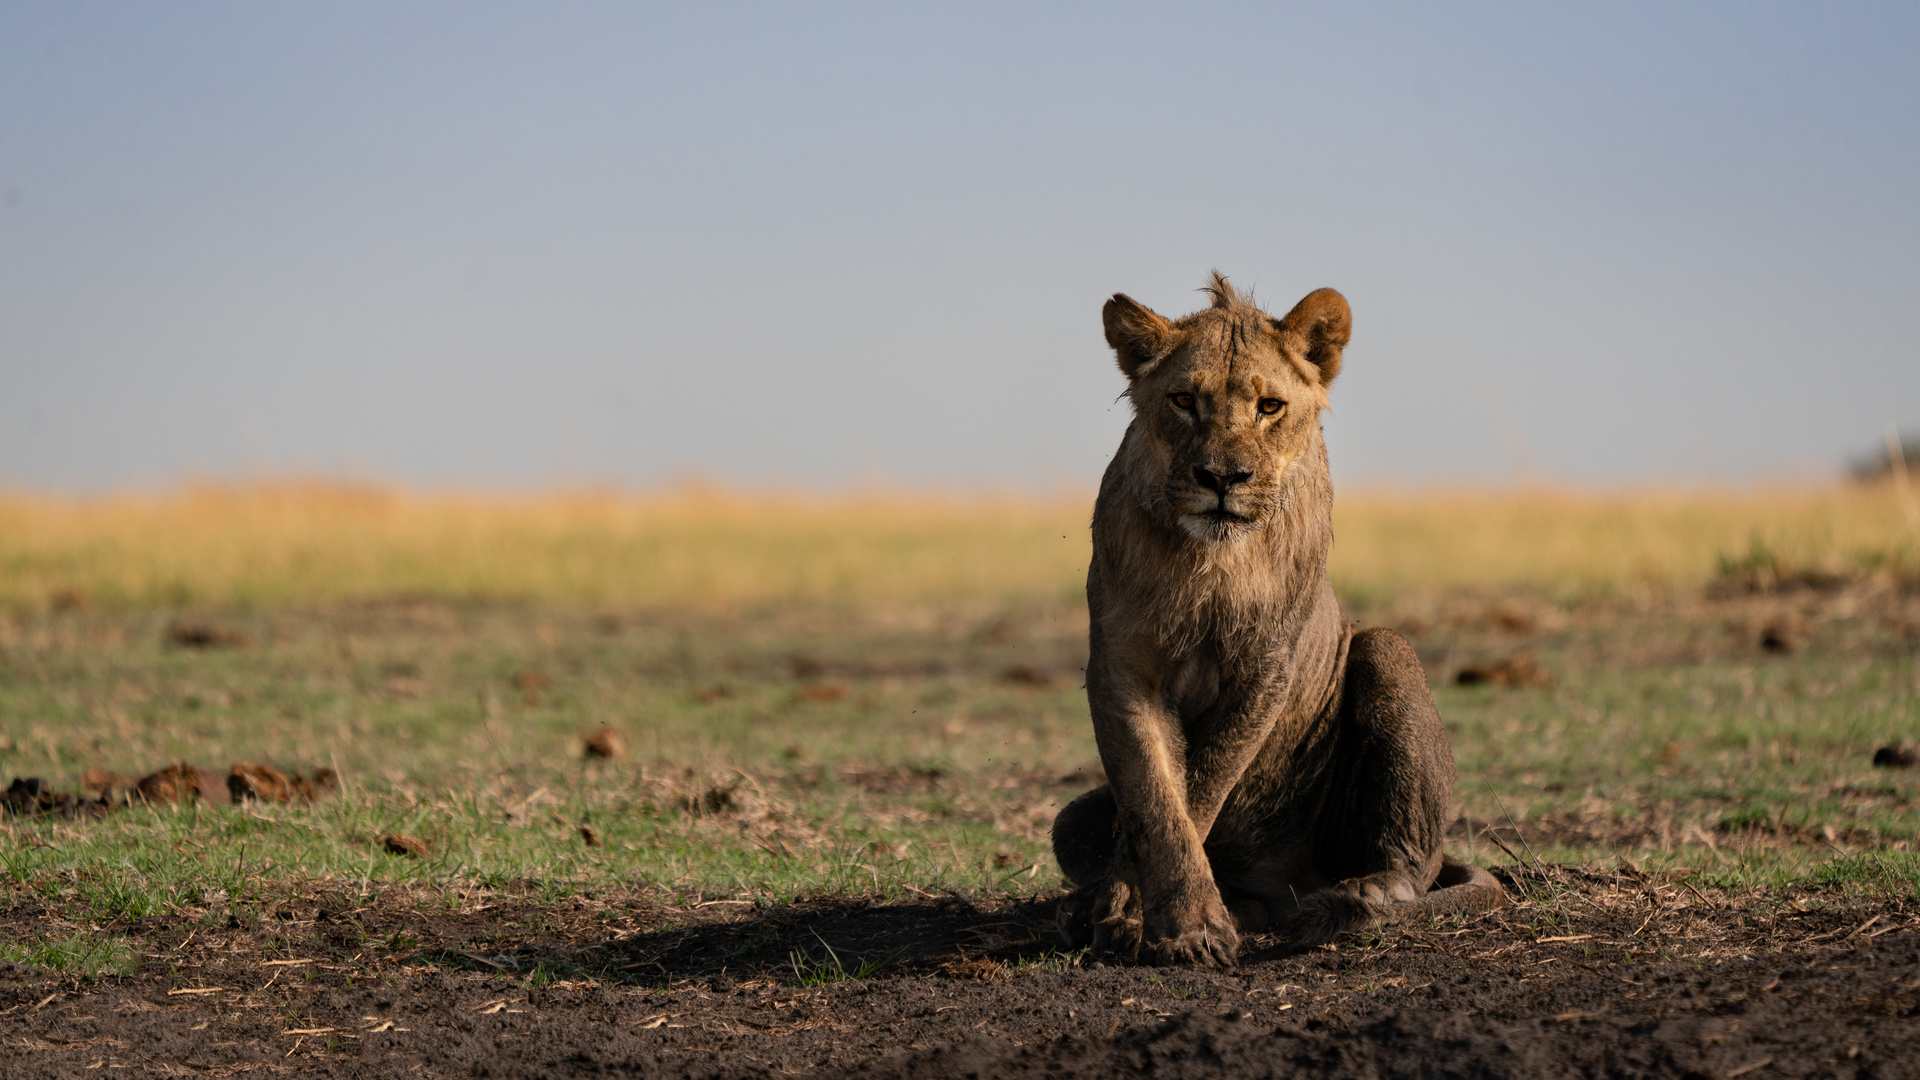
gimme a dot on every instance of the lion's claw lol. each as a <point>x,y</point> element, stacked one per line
<point>1198,932</point>
<point>1195,948</point>
<point>1108,916</point>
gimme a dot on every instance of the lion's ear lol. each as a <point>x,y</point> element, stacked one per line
<point>1139,337</point>
<point>1318,327</point>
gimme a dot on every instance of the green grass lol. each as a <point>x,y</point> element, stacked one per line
<point>800,751</point>
<point>827,967</point>
<point>83,955</point>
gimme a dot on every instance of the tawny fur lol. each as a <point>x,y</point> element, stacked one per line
<point>1268,768</point>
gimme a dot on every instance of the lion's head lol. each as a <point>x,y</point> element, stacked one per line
<point>1227,400</point>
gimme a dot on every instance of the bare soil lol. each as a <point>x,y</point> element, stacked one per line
<point>1592,973</point>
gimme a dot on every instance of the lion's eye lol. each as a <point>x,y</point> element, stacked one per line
<point>1271,405</point>
<point>1182,401</point>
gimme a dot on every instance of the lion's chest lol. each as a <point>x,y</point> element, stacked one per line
<point>1193,683</point>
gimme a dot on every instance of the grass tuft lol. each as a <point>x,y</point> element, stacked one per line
<point>84,955</point>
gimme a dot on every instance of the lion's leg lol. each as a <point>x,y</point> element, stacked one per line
<point>1084,834</point>
<point>1378,836</point>
<point>1102,909</point>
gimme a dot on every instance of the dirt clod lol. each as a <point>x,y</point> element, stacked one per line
<point>33,797</point>
<point>1520,669</point>
<point>1779,638</point>
<point>714,801</point>
<point>605,744</point>
<point>183,783</point>
<point>401,844</point>
<point>106,784</point>
<point>1896,756</point>
<point>191,634</point>
<point>1027,675</point>
<point>825,691</point>
<point>65,600</point>
<point>264,783</point>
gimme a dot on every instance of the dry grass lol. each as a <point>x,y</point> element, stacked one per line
<point>268,543</point>
<point>692,548</point>
<point>1581,543</point>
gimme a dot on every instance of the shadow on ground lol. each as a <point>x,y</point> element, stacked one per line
<point>1591,973</point>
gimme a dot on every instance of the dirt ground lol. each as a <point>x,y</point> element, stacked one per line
<point>1614,973</point>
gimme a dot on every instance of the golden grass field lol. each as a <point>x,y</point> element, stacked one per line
<point>248,545</point>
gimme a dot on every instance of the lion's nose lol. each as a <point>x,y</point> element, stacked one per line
<point>1219,483</point>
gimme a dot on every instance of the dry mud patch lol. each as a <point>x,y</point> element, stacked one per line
<point>1591,974</point>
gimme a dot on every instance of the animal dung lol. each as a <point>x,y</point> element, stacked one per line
<point>106,784</point>
<point>1027,675</point>
<point>410,846</point>
<point>825,691</point>
<point>1779,638</point>
<point>1520,669</point>
<point>182,783</point>
<point>33,797</point>
<point>177,783</point>
<point>604,744</point>
<point>1896,756</point>
<point>189,634</point>
<point>264,783</point>
<point>64,600</point>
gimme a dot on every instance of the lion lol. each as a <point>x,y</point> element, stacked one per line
<point>1269,768</point>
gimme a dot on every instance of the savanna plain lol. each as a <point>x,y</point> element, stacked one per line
<point>722,784</point>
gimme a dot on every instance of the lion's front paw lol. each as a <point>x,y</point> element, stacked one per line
<point>1198,933</point>
<point>1074,916</point>
<point>1114,917</point>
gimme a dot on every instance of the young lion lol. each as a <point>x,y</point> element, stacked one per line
<point>1269,767</point>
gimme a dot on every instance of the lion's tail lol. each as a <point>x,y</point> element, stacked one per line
<point>1461,889</point>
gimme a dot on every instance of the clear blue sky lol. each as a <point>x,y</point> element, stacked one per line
<point>508,245</point>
